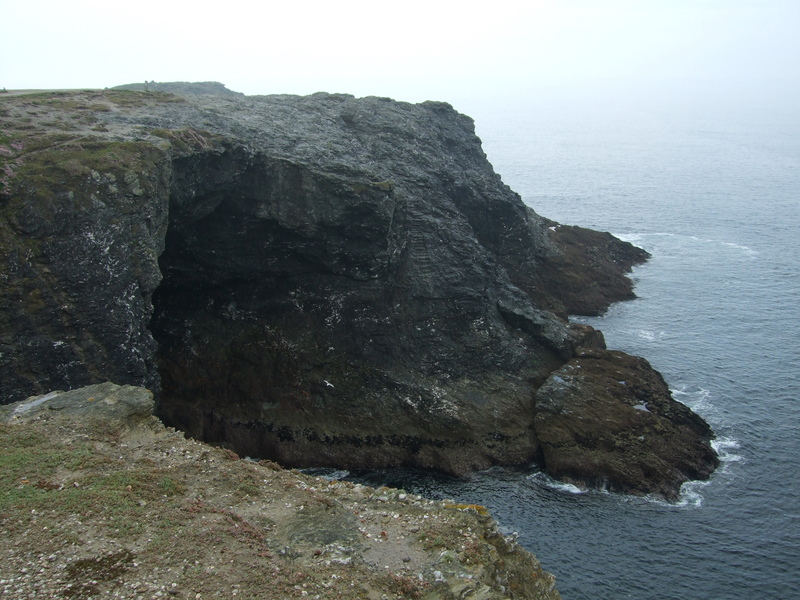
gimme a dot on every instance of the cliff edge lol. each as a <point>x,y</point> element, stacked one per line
<point>319,280</point>
<point>99,500</point>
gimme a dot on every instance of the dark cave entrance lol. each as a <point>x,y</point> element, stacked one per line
<point>240,312</point>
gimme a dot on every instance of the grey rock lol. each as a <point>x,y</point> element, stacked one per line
<point>182,88</point>
<point>126,405</point>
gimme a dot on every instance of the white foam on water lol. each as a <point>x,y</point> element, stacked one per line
<point>701,401</point>
<point>724,447</point>
<point>558,486</point>
<point>329,473</point>
<point>631,238</point>
<point>567,487</point>
<point>691,491</point>
<point>746,249</point>
<point>690,495</point>
<point>641,239</point>
<point>636,238</point>
<point>650,336</point>
<point>698,399</point>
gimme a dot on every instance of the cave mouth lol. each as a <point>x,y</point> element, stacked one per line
<point>254,269</point>
<point>215,318</point>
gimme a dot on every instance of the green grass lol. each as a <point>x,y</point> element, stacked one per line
<point>36,477</point>
<point>18,448</point>
<point>63,162</point>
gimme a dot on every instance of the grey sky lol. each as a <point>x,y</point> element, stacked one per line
<point>412,50</point>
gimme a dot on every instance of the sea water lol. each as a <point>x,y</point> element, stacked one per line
<point>712,191</point>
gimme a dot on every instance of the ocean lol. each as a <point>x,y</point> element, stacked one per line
<point>712,190</point>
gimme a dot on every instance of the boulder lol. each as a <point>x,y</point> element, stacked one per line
<point>119,406</point>
<point>608,419</point>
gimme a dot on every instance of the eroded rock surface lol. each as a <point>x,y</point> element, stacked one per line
<point>340,281</point>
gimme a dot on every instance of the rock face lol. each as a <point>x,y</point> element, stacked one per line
<point>80,236</point>
<point>346,282</point>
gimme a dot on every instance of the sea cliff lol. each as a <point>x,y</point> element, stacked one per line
<point>318,280</point>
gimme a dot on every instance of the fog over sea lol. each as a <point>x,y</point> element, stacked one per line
<point>712,190</point>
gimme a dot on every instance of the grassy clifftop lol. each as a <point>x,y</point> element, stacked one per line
<point>99,500</point>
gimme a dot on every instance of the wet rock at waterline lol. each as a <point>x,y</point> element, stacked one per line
<point>608,419</point>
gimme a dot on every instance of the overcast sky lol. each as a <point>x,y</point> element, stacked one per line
<point>410,50</point>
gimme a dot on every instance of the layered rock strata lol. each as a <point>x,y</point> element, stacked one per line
<point>320,280</point>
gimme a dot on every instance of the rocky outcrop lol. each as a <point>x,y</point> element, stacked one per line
<point>80,235</point>
<point>101,500</point>
<point>182,88</point>
<point>340,281</point>
<point>586,272</point>
<point>608,419</point>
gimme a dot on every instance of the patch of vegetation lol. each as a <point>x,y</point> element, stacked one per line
<point>383,186</point>
<point>66,103</point>
<point>407,587</point>
<point>86,573</point>
<point>19,471</point>
<point>42,476</point>
<point>113,509</point>
<point>33,466</point>
<point>50,165</point>
<point>124,98</point>
<point>186,141</point>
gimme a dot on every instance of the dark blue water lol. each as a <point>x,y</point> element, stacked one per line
<point>713,192</point>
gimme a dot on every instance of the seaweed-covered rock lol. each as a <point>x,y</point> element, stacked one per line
<point>608,419</point>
